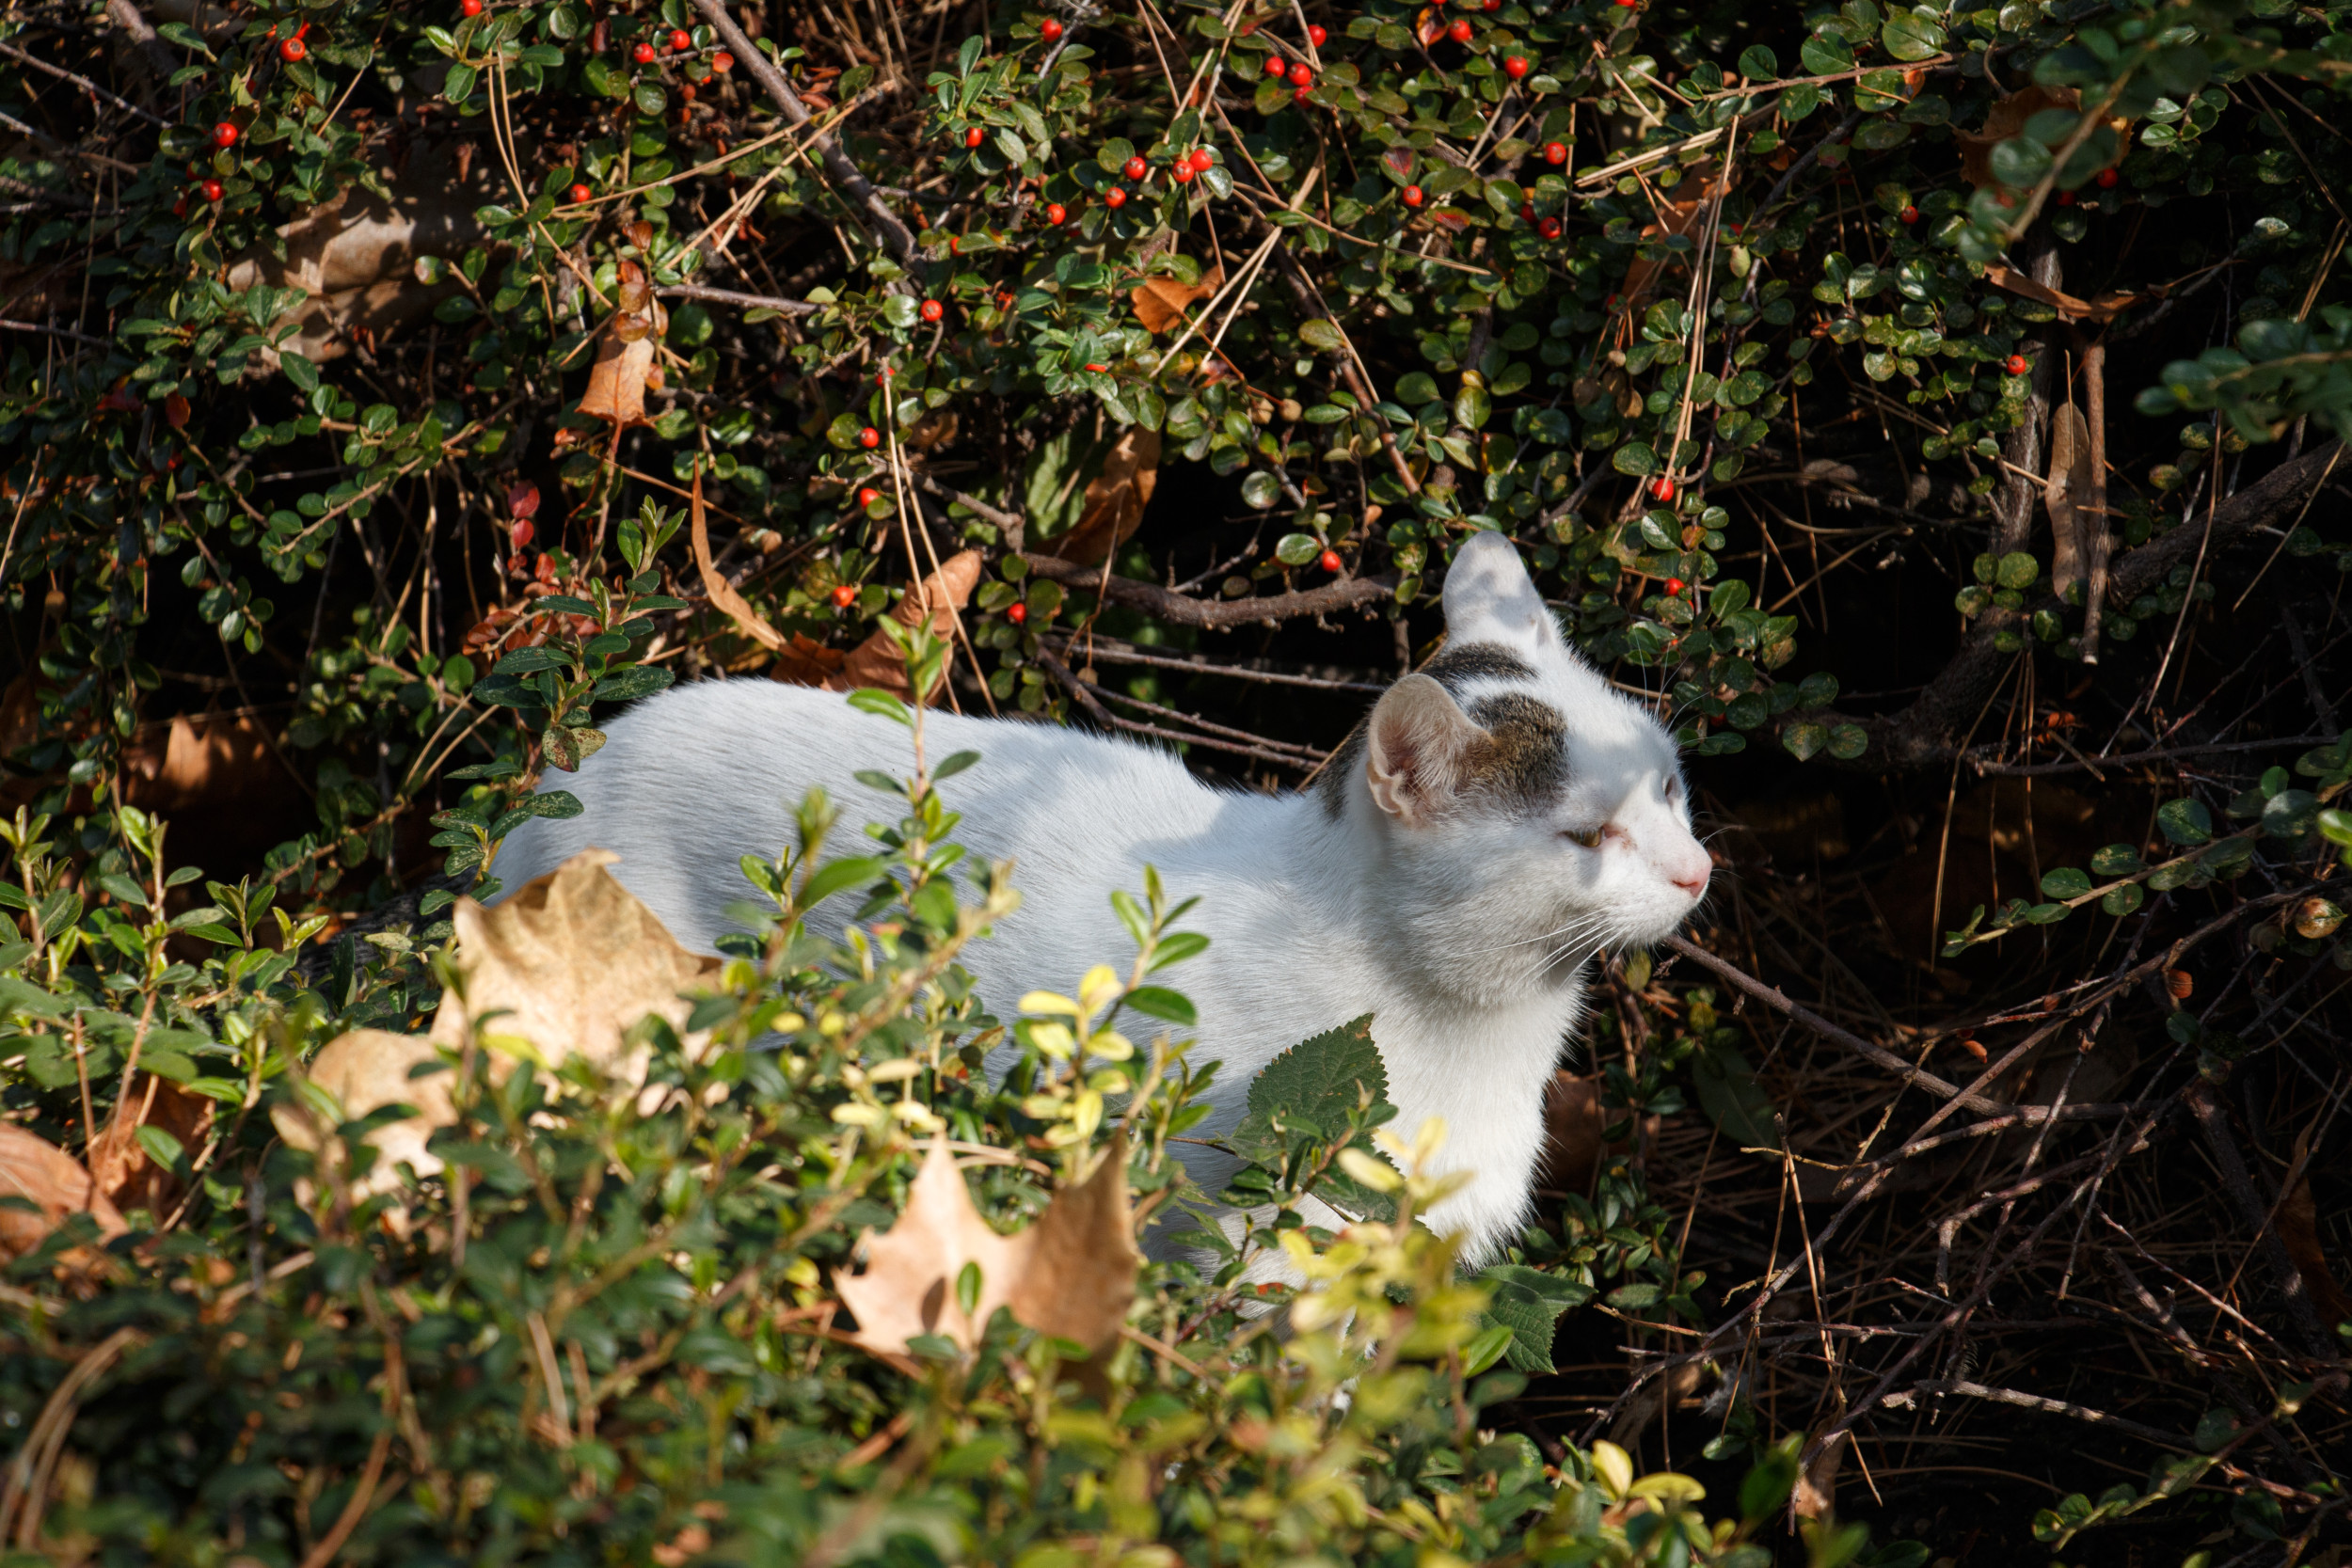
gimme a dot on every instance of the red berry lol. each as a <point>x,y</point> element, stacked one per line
<point>2107,179</point>
<point>1412,196</point>
<point>1181,173</point>
<point>1548,229</point>
<point>1274,65</point>
<point>471,8</point>
<point>1330,560</point>
<point>1909,213</point>
<point>1136,168</point>
<point>1527,212</point>
<point>1016,612</point>
<point>180,208</point>
<point>1662,487</point>
<point>1315,35</point>
<point>882,378</point>
<point>579,194</point>
<point>2016,365</point>
<point>1674,588</point>
<point>1114,199</point>
<point>932,310</point>
<point>2066,198</point>
<point>224,134</point>
<point>1555,153</point>
<point>722,61</point>
<point>844,595</point>
<point>867,494</point>
<point>974,137</point>
<point>680,41</point>
<point>212,190</point>
<point>1515,66</point>
<point>1203,158</point>
<point>1049,29</point>
<point>1301,77</point>
<point>293,49</point>
<point>1628,4</point>
<point>1056,211</point>
<point>644,53</point>
<point>1460,30</point>
<point>869,437</point>
<point>1490,5</point>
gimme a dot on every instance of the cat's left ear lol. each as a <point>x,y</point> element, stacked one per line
<point>1490,598</point>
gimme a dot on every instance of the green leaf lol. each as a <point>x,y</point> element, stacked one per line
<point>625,686</point>
<point>2117,859</point>
<point>1296,550</point>
<point>1729,1095</point>
<point>1321,1081</point>
<point>1804,738</point>
<point>1260,489</point>
<point>1909,36</point>
<point>830,879</point>
<point>161,1147</point>
<point>299,371</point>
<point>1158,1001</point>
<point>2065,882</point>
<point>557,804</point>
<point>1528,1301</point>
<point>1319,334</point>
<point>2185,821</point>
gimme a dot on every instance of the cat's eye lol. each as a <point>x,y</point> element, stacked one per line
<point>1590,838</point>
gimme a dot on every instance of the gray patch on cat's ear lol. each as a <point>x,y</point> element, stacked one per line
<point>1490,597</point>
<point>1423,751</point>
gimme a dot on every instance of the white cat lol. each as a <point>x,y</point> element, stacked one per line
<point>1499,816</point>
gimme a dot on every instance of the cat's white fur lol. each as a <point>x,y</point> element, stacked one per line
<point>1417,887</point>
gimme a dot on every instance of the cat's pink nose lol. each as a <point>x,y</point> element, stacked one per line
<point>1692,878</point>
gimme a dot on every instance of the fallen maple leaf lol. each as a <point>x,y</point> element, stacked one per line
<point>571,961</point>
<point>1161,302</point>
<point>1071,1275</point>
<point>32,1167</point>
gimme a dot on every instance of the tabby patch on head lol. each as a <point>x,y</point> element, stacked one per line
<point>1526,765</point>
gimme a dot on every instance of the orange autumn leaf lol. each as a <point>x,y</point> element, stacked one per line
<point>54,1183</point>
<point>1114,501</point>
<point>1161,302</point>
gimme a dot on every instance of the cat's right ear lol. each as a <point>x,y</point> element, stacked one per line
<point>1424,750</point>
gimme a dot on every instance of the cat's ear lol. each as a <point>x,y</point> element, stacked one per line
<point>1490,598</point>
<point>1424,750</point>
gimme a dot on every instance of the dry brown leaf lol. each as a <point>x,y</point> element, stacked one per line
<point>1161,302</point>
<point>1675,218</point>
<point>198,759</point>
<point>1079,1278</point>
<point>124,1170</point>
<point>805,661</point>
<point>2063,492</point>
<point>1573,1122</point>
<point>1071,1275</point>
<point>2105,309</point>
<point>747,619</point>
<point>355,255</point>
<point>1816,1495</point>
<point>1115,500</point>
<point>2006,119</point>
<point>628,354</point>
<point>34,1168</point>
<point>573,962</point>
<point>876,661</point>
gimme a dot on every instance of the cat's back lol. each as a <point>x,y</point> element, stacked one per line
<point>689,782</point>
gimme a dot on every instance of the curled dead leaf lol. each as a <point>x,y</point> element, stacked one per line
<point>571,963</point>
<point>125,1172</point>
<point>40,1172</point>
<point>628,354</point>
<point>1161,302</point>
<point>1816,1496</point>
<point>1071,1275</point>
<point>739,610</point>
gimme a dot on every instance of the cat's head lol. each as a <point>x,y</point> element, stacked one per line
<point>1527,812</point>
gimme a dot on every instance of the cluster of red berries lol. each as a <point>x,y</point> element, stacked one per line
<point>1302,74</point>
